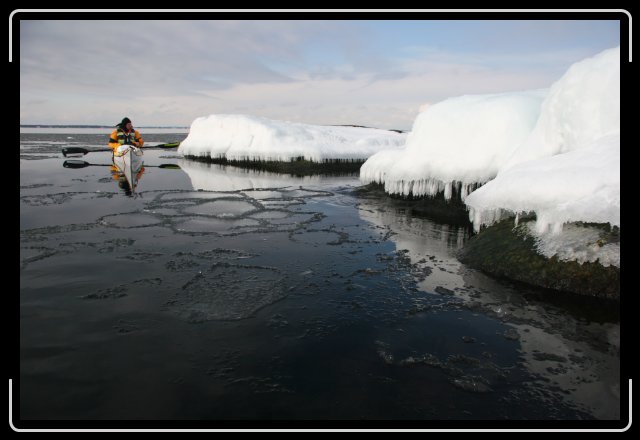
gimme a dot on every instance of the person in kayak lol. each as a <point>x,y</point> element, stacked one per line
<point>125,134</point>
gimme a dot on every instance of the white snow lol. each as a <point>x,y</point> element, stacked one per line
<point>555,153</point>
<point>465,139</point>
<point>244,137</point>
<point>568,169</point>
<point>581,185</point>
<point>577,243</point>
<point>581,107</point>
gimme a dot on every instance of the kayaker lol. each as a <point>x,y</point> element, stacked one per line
<point>125,134</point>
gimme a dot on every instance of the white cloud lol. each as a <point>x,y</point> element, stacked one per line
<point>170,72</point>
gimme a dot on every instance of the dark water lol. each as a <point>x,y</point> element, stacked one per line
<point>217,294</point>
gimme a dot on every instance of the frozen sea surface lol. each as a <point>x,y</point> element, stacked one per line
<point>220,294</point>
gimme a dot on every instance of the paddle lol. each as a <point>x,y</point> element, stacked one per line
<point>75,163</point>
<point>79,150</point>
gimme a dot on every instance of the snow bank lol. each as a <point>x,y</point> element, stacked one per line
<point>555,154</point>
<point>460,141</point>
<point>581,185</point>
<point>582,106</point>
<point>568,169</point>
<point>242,137</point>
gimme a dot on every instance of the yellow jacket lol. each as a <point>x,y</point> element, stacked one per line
<point>119,137</point>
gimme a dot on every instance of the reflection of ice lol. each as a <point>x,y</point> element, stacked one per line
<point>222,208</point>
<point>569,352</point>
<point>574,355</point>
<point>182,195</point>
<point>212,177</point>
<point>264,194</point>
<point>592,377</point>
<point>429,244</point>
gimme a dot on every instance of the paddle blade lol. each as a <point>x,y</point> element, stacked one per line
<point>67,151</point>
<point>75,164</point>
<point>79,151</point>
<point>168,145</point>
<point>169,166</point>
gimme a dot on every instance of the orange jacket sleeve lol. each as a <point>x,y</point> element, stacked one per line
<point>138,138</point>
<point>113,140</point>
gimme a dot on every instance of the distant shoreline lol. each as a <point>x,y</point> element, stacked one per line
<point>182,127</point>
<point>95,126</point>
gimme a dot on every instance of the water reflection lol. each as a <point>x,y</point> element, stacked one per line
<point>213,177</point>
<point>265,296</point>
<point>116,174</point>
<point>123,183</point>
<point>560,347</point>
<point>429,245</point>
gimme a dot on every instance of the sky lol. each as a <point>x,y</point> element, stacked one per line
<point>376,73</point>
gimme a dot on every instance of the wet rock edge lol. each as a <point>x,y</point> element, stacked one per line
<point>500,251</point>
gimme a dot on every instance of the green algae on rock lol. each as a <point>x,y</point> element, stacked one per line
<point>504,251</point>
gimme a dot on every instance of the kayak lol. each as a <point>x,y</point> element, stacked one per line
<point>128,159</point>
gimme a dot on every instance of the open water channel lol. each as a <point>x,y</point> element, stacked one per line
<point>224,295</point>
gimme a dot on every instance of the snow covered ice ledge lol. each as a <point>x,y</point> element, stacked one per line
<point>458,144</point>
<point>555,154</point>
<point>568,169</point>
<point>253,138</point>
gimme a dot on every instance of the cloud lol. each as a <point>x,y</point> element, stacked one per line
<point>341,72</point>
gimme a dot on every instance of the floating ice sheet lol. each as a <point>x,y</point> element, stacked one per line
<point>227,292</point>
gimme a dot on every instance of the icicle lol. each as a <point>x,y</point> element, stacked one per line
<point>447,191</point>
<point>541,227</point>
<point>477,221</point>
<point>556,228</point>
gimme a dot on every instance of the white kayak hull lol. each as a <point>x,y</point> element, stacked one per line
<point>128,160</point>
